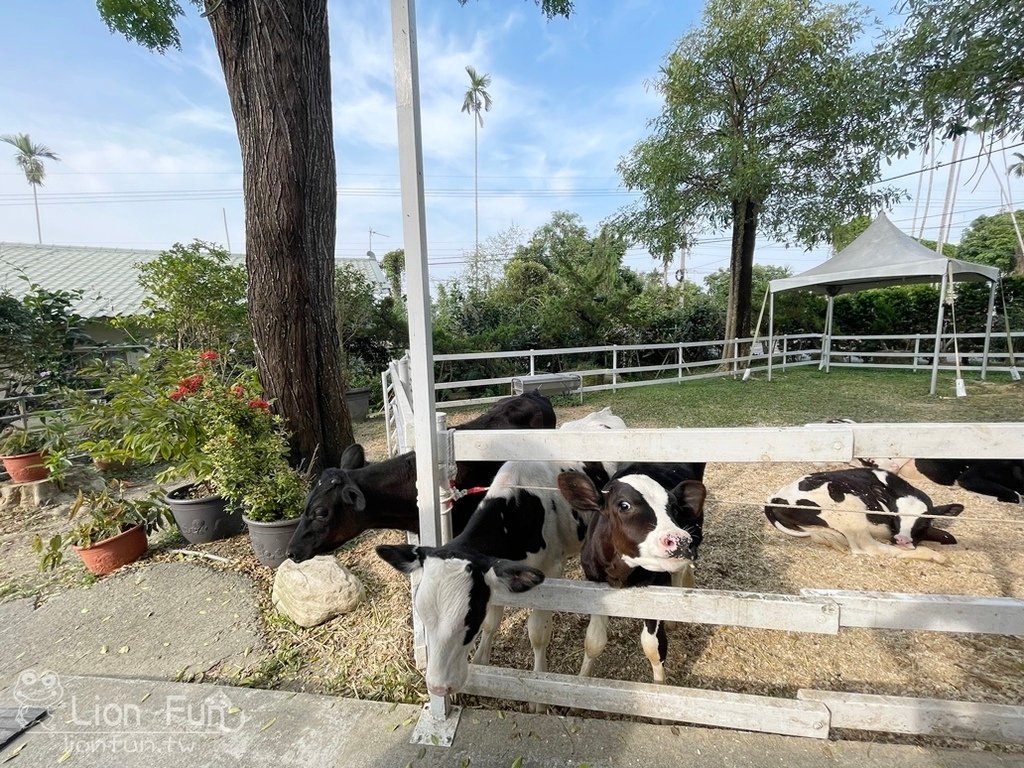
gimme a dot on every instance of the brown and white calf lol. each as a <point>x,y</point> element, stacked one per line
<point>521,532</point>
<point>858,507</point>
<point>356,496</point>
<point>646,524</point>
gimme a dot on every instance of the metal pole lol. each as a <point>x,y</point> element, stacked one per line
<point>771,332</point>
<point>421,353</point>
<point>988,327</point>
<point>938,333</point>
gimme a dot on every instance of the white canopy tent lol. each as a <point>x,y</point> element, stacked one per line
<point>880,257</point>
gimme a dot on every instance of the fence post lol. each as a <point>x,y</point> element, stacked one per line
<point>680,350</point>
<point>917,351</point>
<point>615,366</point>
<point>533,369</point>
<point>785,351</point>
<point>447,461</point>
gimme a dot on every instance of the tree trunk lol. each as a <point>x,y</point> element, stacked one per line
<point>741,273</point>
<point>276,60</point>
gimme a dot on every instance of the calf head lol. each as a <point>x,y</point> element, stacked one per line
<point>334,510</point>
<point>649,526</point>
<point>451,599</point>
<point>909,530</point>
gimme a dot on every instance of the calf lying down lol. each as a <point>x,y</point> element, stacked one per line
<point>871,511</point>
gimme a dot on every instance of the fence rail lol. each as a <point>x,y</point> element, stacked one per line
<point>812,713</point>
<point>632,365</point>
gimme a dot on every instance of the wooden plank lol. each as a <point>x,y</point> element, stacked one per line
<point>936,613</point>
<point>685,705</point>
<point>812,442</point>
<point>925,717</point>
<point>996,440</point>
<point>701,606</point>
<point>826,442</point>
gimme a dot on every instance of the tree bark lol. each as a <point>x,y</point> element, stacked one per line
<point>276,60</point>
<point>741,272</point>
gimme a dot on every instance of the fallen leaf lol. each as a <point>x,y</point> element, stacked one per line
<point>234,710</point>
<point>517,763</point>
<point>13,753</point>
<point>145,697</point>
<point>421,753</point>
<point>104,649</point>
<point>268,724</point>
<point>64,758</point>
<point>123,649</point>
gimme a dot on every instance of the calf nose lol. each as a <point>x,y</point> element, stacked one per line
<point>675,544</point>
<point>903,541</point>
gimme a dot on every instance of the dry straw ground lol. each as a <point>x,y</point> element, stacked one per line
<point>368,653</point>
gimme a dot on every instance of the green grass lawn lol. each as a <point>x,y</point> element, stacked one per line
<point>804,395</point>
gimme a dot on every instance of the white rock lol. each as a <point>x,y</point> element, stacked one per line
<point>312,592</point>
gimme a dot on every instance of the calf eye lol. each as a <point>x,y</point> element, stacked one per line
<point>623,506</point>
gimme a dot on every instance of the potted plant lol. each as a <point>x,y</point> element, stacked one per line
<point>23,454</point>
<point>111,530</point>
<point>164,410</point>
<point>250,468</point>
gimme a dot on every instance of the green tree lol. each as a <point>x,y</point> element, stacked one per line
<point>476,99</point>
<point>992,240</point>
<point>196,297</point>
<point>277,71</point>
<point>30,159</point>
<point>278,76</point>
<point>962,65</point>
<point>773,122</point>
<point>393,265</point>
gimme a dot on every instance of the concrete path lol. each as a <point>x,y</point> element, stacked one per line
<point>104,662</point>
<point>165,621</point>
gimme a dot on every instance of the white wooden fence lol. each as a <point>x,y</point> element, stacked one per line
<point>812,713</point>
<point>702,359</point>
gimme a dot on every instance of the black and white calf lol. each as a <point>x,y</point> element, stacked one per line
<point>646,525</point>
<point>522,531</point>
<point>1001,478</point>
<point>836,507</point>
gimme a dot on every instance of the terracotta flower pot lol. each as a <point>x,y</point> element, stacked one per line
<point>270,540</point>
<point>204,519</point>
<point>26,467</point>
<point>108,555</point>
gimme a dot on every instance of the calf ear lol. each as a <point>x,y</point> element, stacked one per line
<point>938,535</point>
<point>353,497</point>
<point>950,510</point>
<point>579,492</point>
<point>353,457</point>
<point>514,578</point>
<point>402,557</point>
<point>692,494</point>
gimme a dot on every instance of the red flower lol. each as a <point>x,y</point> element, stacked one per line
<point>177,394</point>
<point>209,354</point>
<point>191,383</point>
<point>259,402</point>
<point>237,391</point>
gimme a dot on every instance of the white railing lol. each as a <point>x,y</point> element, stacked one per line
<point>812,713</point>
<point>703,359</point>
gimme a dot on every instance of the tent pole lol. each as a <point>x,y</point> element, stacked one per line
<point>938,333</point>
<point>771,331</point>
<point>824,333</point>
<point>988,327</point>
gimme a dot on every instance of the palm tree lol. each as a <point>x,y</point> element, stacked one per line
<point>30,159</point>
<point>477,98</point>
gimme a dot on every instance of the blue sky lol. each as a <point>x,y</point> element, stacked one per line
<point>149,154</point>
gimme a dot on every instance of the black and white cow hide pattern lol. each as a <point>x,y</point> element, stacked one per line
<point>871,511</point>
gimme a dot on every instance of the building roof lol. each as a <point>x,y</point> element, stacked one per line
<point>882,256</point>
<point>106,276</point>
